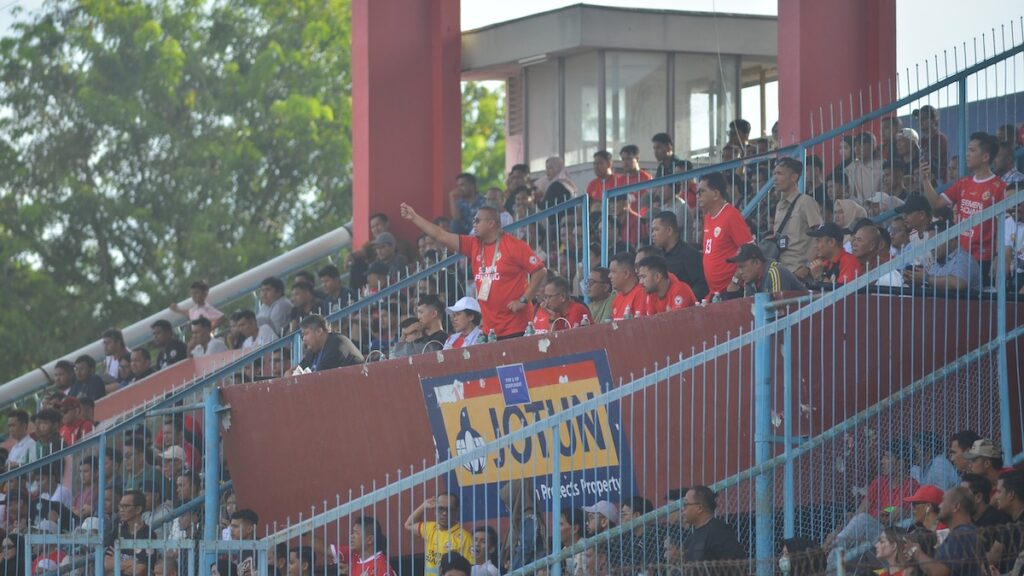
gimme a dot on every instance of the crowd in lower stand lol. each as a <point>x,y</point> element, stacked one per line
<point>532,280</point>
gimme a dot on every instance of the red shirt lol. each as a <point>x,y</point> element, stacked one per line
<point>843,269</point>
<point>632,228</point>
<point>631,303</point>
<point>883,494</point>
<point>509,277</point>
<point>376,565</point>
<point>969,196</point>
<point>72,433</point>
<point>724,233</point>
<point>598,186</point>
<point>545,322</point>
<point>678,296</point>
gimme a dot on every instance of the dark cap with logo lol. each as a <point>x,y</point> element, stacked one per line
<point>829,230</point>
<point>915,203</point>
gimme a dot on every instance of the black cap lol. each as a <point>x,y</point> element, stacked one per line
<point>829,230</point>
<point>747,252</point>
<point>914,203</point>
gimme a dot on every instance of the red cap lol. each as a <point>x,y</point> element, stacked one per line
<point>70,402</point>
<point>928,493</point>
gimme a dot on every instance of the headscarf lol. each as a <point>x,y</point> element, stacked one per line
<point>561,175</point>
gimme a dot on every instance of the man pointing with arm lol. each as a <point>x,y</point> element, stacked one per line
<point>506,271</point>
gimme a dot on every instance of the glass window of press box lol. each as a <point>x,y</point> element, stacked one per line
<point>579,104</point>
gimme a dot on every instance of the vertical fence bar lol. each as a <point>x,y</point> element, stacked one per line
<point>211,465</point>
<point>1004,378</point>
<point>556,496</point>
<point>101,502</point>
<point>788,503</point>
<point>604,229</point>
<point>585,218</point>
<point>764,507</point>
<point>962,126</point>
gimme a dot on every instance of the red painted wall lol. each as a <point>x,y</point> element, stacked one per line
<point>828,51</point>
<point>406,108</point>
<point>295,442</point>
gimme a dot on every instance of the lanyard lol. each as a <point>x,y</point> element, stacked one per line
<point>497,252</point>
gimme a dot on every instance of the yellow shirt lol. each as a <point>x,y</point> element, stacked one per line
<point>440,542</point>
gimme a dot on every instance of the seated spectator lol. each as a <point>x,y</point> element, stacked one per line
<point>601,517</point>
<point>304,303</point>
<point>132,561</point>
<point>557,310</point>
<point>832,265</point>
<point>959,444</point>
<point>275,309</point>
<point>1009,498</point>
<point>87,383</point>
<point>664,292</point>
<point>254,335</point>
<point>933,467</point>
<point>443,536</point>
<point>925,504</point>
<point>73,427</point>
<point>377,277</point>
<point>894,549</point>
<point>141,365</point>
<point>987,516</point>
<point>599,291</point>
<point>336,293</point>
<point>682,259</point>
<point>1004,165</point>
<point>881,203</point>
<point>522,207</point>
<point>307,277</point>
<point>496,200</point>
<point>24,449</point>
<point>409,333</point>
<point>13,559</point>
<point>711,539</point>
<point>465,317</point>
<point>112,460</point>
<point>893,485</point>
<point>124,375</point>
<point>555,186</point>
<point>959,554</point>
<point>572,527</point>
<point>113,349</point>
<point>86,491</point>
<point>865,172</point>
<point>138,468</point>
<point>429,313</point>
<point>630,171</point>
<point>51,486</point>
<point>642,546</point>
<point>386,248</point>
<point>199,291</point>
<point>464,201</point>
<point>173,435</point>
<point>630,296</point>
<point>202,343</point>
<point>869,249</point>
<point>985,459</point>
<point>325,350</point>
<point>527,533</point>
<point>63,376</point>
<point>953,269</point>
<point>368,543</point>
<point>801,557</point>
<point>47,434</point>
<point>485,550</point>
<point>604,179</point>
<point>172,349</point>
<point>630,229</point>
<point>455,564</point>
<point>894,186</point>
<point>917,214</point>
<point>755,273</point>
<point>379,224</point>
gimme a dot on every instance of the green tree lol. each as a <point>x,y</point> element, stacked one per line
<point>147,144</point>
<point>483,132</point>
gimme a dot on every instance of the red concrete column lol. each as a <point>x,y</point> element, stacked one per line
<point>828,50</point>
<point>406,108</point>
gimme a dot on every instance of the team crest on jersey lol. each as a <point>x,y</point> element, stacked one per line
<point>986,195</point>
<point>534,260</point>
<point>679,300</point>
<point>718,231</point>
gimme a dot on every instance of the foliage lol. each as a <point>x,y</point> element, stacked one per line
<point>147,144</point>
<point>483,133</point>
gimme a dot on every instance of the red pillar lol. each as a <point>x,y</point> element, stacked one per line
<point>406,108</point>
<point>828,50</point>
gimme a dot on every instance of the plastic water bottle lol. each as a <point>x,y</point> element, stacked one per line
<point>585,321</point>
<point>716,297</point>
<point>530,331</point>
<point>626,315</point>
<point>491,336</point>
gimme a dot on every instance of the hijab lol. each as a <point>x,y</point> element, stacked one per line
<point>561,175</point>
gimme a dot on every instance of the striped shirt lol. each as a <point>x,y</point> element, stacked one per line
<point>776,279</point>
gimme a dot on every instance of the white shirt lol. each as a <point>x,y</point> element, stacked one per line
<point>23,452</point>
<point>472,338</point>
<point>276,315</point>
<point>486,569</point>
<point>1014,240</point>
<point>214,346</point>
<point>61,494</point>
<point>266,336</point>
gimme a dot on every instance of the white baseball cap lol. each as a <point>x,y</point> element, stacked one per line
<point>465,303</point>
<point>606,509</point>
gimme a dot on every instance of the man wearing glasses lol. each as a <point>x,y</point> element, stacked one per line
<point>599,291</point>
<point>712,539</point>
<point>557,310</point>
<point>131,527</point>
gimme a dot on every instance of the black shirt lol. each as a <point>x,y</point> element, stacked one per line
<point>174,352</point>
<point>123,532</point>
<point>91,388</point>
<point>440,337</point>
<point>688,265</point>
<point>330,356</point>
<point>712,541</point>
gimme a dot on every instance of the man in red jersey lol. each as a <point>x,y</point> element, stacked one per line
<point>629,294</point>
<point>368,543</point>
<point>833,264</point>
<point>557,310</point>
<point>508,275</point>
<point>970,195</point>
<point>604,179</point>
<point>725,231</point>
<point>664,292</point>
